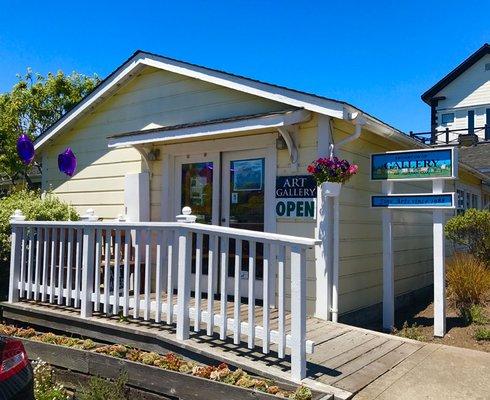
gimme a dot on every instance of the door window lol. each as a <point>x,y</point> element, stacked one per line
<point>197,190</point>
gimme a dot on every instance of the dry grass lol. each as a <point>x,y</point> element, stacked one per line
<point>468,281</point>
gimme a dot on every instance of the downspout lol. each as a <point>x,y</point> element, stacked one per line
<point>359,122</point>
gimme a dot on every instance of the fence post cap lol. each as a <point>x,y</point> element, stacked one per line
<point>89,215</point>
<point>186,216</point>
<point>17,216</point>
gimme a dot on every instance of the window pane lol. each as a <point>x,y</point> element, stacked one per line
<point>448,118</point>
<point>197,190</point>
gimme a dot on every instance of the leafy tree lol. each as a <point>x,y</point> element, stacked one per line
<point>33,105</point>
<point>471,230</point>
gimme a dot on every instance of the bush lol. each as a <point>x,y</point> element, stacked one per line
<point>471,230</point>
<point>482,334</point>
<point>45,385</point>
<point>468,282</point>
<point>413,332</point>
<point>104,389</point>
<point>477,315</point>
<point>36,208</point>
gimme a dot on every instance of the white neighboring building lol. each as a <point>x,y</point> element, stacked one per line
<point>460,102</point>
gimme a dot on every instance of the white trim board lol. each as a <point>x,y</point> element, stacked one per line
<point>212,129</point>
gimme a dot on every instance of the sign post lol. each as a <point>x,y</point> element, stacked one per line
<point>415,165</point>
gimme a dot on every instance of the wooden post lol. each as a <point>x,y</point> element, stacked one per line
<point>88,268</point>
<point>388,269</point>
<point>298,313</point>
<point>439,267</point>
<point>184,283</point>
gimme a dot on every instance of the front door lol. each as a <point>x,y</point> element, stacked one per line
<point>244,189</point>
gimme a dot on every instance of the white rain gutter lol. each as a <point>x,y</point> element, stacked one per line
<point>359,122</point>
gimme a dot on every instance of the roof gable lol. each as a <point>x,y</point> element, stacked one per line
<point>456,72</point>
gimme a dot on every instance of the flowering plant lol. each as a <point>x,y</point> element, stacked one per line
<point>332,170</point>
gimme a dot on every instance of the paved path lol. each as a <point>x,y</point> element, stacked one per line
<point>434,372</point>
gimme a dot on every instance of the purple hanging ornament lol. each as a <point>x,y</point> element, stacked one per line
<point>67,162</point>
<point>25,149</point>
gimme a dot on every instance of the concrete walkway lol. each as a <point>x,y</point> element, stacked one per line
<point>434,372</point>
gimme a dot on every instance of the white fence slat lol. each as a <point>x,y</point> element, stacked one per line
<point>22,275</point>
<point>61,266</point>
<point>117,266</point>
<point>30,259</point>
<point>266,298</point>
<point>223,283</point>
<point>183,283</point>
<point>44,289</point>
<point>173,255</point>
<point>160,248</point>
<point>237,297</point>
<point>37,264</point>
<point>88,266</point>
<point>212,268</point>
<point>107,270</point>
<point>281,295</point>
<point>298,313</point>
<point>98,258</point>
<point>69,267</point>
<point>127,256</point>
<point>148,243</point>
<point>197,287</point>
<point>251,294</point>
<point>78,266</point>
<point>54,252</point>
<point>137,283</point>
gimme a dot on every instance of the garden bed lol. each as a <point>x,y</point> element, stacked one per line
<point>166,374</point>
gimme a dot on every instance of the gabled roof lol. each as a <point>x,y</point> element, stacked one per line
<point>141,59</point>
<point>456,72</point>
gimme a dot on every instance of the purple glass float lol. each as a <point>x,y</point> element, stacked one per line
<point>25,149</point>
<point>67,162</point>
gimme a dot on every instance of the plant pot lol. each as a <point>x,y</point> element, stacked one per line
<point>331,189</point>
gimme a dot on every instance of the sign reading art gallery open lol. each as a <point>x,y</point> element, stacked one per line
<point>437,165</point>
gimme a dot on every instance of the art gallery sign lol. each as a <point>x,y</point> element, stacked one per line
<point>296,196</point>
<point>436,165</point>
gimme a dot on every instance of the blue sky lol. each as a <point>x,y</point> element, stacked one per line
<point>378,55</point>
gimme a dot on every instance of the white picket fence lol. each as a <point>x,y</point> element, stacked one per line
<point>150,270</point>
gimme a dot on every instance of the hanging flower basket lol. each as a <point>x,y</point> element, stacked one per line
<point>330,173</point>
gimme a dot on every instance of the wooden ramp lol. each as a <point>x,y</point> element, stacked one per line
<point>345,359</point>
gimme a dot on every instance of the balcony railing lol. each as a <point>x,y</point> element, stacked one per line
<point>151,270</point>
<point>453,136</point>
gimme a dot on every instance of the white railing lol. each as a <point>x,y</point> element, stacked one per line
<point>151,270</point>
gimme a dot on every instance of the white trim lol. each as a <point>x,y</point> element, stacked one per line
<point>203,131</point>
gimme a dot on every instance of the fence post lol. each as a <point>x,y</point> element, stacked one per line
<point>88,266</point>
<point>447,135</point>
<point>298,313</point>
<point>184,274</point>
<point>15,251</point>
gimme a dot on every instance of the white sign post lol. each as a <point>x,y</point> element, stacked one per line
<point>431,164</point>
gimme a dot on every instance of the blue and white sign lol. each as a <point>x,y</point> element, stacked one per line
<point>415,165</point>
<point>423,201</point>
<point>296,196</point>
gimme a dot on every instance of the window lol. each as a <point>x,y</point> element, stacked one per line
<point>468,200</point>
<point>471,121</point>
<point>448,118</point>
<point>474,201</point>
<point>487,67</point>
<point>460,199</point>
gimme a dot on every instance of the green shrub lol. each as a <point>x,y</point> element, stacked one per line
<point>482,334</point>
<point>477,315</point>
<point>36,208</point>
<point>471,230</point>
<point>104,389</point>
<point>45,385</point>
<point>468,283</point>
<point>413,332</point>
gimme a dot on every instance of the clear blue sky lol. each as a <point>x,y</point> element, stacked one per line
<point>378,55</point>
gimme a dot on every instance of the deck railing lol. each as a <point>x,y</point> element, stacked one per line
<point>151,270</point>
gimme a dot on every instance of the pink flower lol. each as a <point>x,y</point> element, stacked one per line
<point>353,168</point>
<point>310,169</point>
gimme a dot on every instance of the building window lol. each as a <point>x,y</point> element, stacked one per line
<point>487,67</point>
<point>447,118</point>
<point>474,201</point>
<point>471,121</point>
<point>460,200</point>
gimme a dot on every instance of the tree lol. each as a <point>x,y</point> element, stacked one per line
<point>33,105</point>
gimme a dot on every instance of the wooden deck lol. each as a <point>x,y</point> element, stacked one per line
<point>345,358</point>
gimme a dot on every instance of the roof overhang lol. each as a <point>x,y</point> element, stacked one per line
<point>207,129</point>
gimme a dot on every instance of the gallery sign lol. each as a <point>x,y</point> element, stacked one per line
<point>415,165</point>
<point>422,201</point>
<point>296,196</point>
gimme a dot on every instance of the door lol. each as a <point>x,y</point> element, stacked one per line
<point>197,186</point>
<point>244,188</point>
